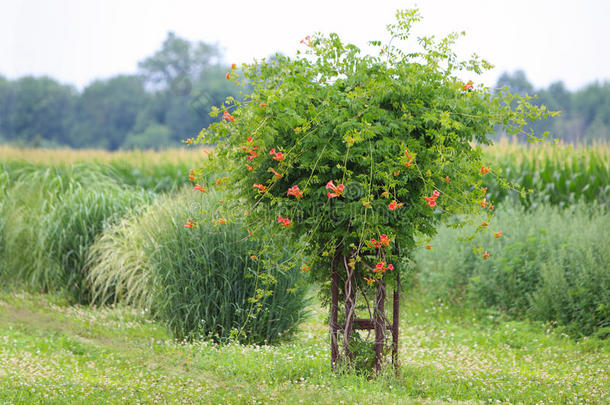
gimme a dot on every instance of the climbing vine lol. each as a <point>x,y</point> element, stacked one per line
<point>356,158</point>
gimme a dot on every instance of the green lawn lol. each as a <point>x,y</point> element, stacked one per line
<point>51,353</point>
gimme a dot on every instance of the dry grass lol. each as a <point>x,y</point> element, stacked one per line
<point>66,156</point>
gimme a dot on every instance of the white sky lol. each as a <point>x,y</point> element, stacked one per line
<point>76,41</point>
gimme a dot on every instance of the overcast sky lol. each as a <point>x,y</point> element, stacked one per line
<point>77,41</point>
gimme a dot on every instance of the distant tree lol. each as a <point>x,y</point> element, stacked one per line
<point>5,103</point>
<point>174,92</point>
<point>177,60</point>
<point>585,113</point>
<point>187,79</point>
<point>558,96</point>
<point>41,109</point>
<point>107,111</point>
<point>517,82</point>
<point>155,136</point>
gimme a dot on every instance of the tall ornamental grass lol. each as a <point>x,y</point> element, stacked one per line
<point>549,264</point>
<point>200,281</point>
<point>50,219</point>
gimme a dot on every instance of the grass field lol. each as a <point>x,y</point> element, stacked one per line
<point>50,353</point>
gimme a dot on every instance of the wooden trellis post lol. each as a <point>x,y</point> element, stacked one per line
<point>378,323</point>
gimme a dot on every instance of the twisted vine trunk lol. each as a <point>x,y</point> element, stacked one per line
<point>379,323</point>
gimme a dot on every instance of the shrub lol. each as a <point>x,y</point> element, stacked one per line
<point>340,148</point>
<point>200,281</point>
<point>551,264</point>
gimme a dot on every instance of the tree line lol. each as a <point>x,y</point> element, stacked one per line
<point>585,113</point>
<point>168,100</point>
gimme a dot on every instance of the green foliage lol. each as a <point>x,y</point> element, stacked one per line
<point>159,178</point>
<point>36,110</point>
<point>389,128</point>
<point>155,136</point>
<point>551,174</point>
<point>50,220</point>
<point>200,282</point>
<point>549,264</point>
<point>364,355</point>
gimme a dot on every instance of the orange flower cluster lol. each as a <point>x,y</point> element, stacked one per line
<point>283,221</point>
<point>260,187</point>
<point>394,205</point>
<point>199,188</point>
<point>306,41</point>
<point>410,158</point>
<point>228,117</point>
<point>431,201</point>
<point>189,223</point>
<point>468,86</point>
<point>294,191</point>
<point>279,156</point>
<point>383,241</point>
<point>192,175</point>
<point>484,170</point>
<point>252,154</point>
<point>381,268</point>
<point>276,174</point>
<point>336,190</point>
